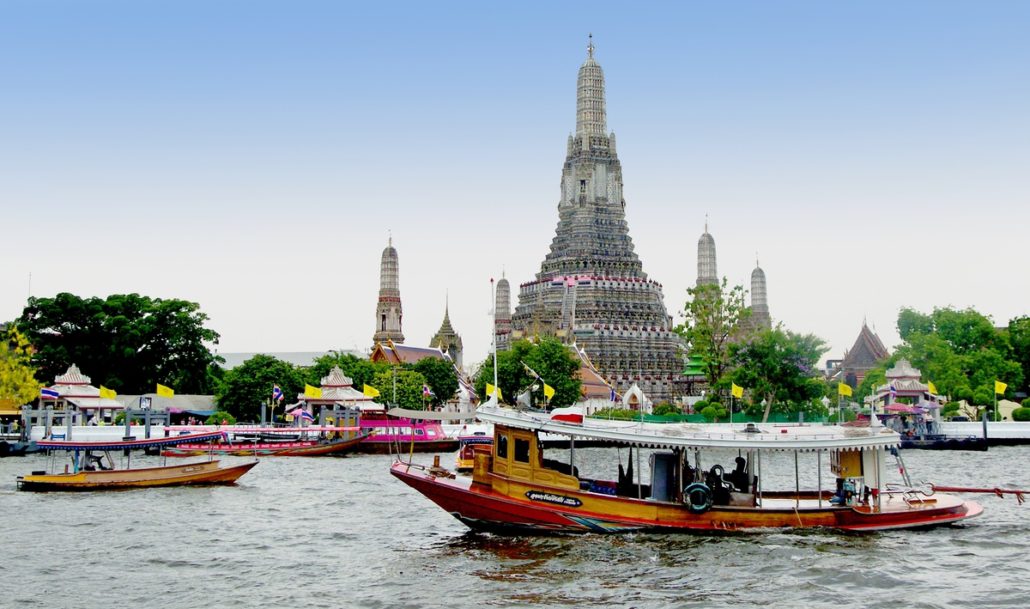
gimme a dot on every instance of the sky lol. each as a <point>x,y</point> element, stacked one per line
<point>255,157</point>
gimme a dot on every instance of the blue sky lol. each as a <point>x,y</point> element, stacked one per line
<point>254,156</point>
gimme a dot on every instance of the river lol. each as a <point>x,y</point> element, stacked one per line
<point>341,532</point>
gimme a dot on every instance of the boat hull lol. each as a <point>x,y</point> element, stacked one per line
<point>528,508</point>
<point>189,474</point>
<point>268,449</point>
<point>384,447</point>
<point>941,442</point>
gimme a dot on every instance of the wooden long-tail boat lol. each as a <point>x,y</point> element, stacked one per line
<point>513,488</point>
<point>291,442</point>
<point>89,471</point>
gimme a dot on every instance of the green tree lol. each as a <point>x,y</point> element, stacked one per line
<point>126,342</point>
<point>440,376</point>
<point>408,387</point>
<point>715,318</point>
<point>553,361</point>
<point>780,367</point>
<point>1018,332</point>
<point>246,387</point>
<point>18,384</point>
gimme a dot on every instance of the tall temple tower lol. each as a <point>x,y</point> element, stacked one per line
<point>706,271</point>
<point>388,309</point>
<point>760,318</point>
<point>591,289</point>
<point>502,315</point>
<point>446,339</point>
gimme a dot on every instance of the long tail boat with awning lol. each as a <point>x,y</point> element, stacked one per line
<point>690,487</point>
<point>92,466</point>
<point>313,441</point>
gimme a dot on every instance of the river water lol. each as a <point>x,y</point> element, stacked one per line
<point>342,532</point>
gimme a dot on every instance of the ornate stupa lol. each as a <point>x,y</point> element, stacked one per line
<point>706,269</point>
<point>591,289</point>
<point>502,315</point>
<point>760,318</point>
<point>446,339</point>
<point>388,308</point>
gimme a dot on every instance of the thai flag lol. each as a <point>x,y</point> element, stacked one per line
<point>46,392</point>
<point>894,391</point>
<point>277,393</point>
<point>614,397</point>
<point>426,391</point>
<point>304,414</point>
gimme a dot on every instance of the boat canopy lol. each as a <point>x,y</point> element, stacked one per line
<point>430,415</point>
<point>130,444</point>
<point>802,438</point>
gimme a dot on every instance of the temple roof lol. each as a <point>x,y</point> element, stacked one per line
<point>867,351</point>
<point>72,377</point>
<point>903,370</point>
<point>404,354</point>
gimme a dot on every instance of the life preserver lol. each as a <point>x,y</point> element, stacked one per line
<point>698,497</point>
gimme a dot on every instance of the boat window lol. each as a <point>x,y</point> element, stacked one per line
<point>420,432</point>
<point>502,447</point>
<point>521,450</point>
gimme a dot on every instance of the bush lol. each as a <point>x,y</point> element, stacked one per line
<point>1021,414</point>
<point>700,405</point>
<point>713,412</point>
<point>221,418</point>
<point>666,409</point>
<point>624,414</point>
<point>1026,403</point>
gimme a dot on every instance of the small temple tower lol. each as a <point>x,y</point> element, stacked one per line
<point>760,318</point>
<point>502,315</point>
<point>446,339</point>
<point>706,271</point>
<point>388,309</point>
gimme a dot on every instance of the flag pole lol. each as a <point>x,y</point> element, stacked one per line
<point>493,343</point>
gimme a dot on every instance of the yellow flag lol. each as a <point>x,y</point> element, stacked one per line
<point>107,394</point>
<point>548,391</point>
<point>736,390</point>
<point>931,388</point>
<point>370,391</point>
<point>490,390</point>
<point>844,390</point>
<point>1000,387</point>
<point>165,392</point>
<point>312,392</point>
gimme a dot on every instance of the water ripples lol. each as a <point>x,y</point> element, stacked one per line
<point>343,533</point>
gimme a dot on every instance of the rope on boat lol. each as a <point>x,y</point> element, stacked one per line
<point>1000,492</point>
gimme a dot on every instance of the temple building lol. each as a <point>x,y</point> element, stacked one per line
<point>388,309</point>
<point>447,340</point>
<point>706,270</point>
<point>591,290</point>
<point>502,315</point>
<point>864,355</point>
<point>760,318</point>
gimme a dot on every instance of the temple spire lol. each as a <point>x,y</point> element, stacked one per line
<point>707,272</point>
<point>591,116</point>
<point>590,45</point>
<point>388,308</point>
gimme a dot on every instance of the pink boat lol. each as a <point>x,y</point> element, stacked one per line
<point>391,434</point>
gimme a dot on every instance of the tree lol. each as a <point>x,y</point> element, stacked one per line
<point>1019,345</point>
<point>408,385</point>
<point>440,376</point>
<point>246,387</point>
<point>128,342</point>
<point>18,384</point>
<point>715,316</point>
<point>961,351</point>
<point>781,367</point>
<point>549,358</point>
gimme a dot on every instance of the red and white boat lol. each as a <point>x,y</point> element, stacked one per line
<point>513,488</point>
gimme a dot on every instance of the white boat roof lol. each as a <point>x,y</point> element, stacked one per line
<point>789,437</point>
